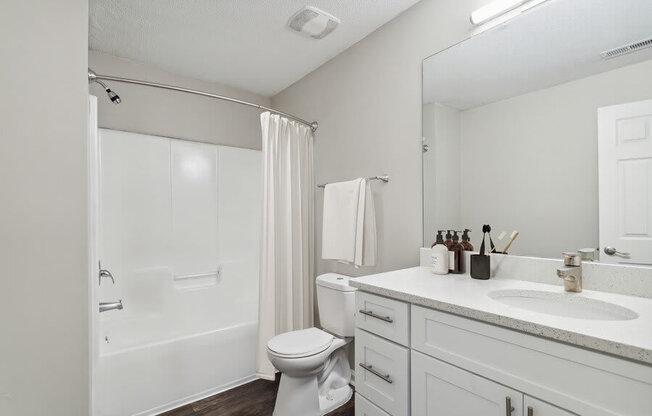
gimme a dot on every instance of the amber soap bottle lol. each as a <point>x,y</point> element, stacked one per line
<point>466,243</point>
<point>448,240</point>
<point>456,255</point>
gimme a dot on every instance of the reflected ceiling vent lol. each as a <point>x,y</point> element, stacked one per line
<point>624,50</point>
<point>310,21</point>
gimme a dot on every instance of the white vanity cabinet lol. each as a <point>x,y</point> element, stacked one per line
<point>413,360</point>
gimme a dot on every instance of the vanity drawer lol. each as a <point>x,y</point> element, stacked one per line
<point>364,407</point>
<point>388,318</point>
<point>382,373</point>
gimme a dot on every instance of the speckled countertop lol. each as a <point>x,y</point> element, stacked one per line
<point>461,295</point>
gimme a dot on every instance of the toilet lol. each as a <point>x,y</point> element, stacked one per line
<point>315,372</point>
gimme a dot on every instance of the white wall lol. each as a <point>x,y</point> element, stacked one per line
<point>44,341</point>
<point>531,162</point>
<point>170,114</point>
<point>441,171</point>
<point>430,184</point>
<point>368,104</point>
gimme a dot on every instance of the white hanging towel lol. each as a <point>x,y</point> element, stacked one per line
<point>365,252</point>
<point>349,224</point>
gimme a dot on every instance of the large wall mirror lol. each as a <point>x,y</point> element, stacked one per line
<point>543,124</point>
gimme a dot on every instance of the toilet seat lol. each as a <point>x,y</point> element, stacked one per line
<point>301,343</point>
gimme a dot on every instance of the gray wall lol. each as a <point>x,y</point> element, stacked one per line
<point>368,104</point>
<point>170,114</point>
<point>534,146</point>
<point>44,343</point>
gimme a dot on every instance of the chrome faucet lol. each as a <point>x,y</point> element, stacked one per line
<point>109,306</point>
<point>572,273</point>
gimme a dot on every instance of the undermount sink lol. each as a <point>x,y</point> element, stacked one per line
<point>569,305</point>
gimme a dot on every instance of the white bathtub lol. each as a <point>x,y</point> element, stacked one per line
<point>152,378</point>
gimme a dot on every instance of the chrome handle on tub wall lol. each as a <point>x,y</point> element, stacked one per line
<point>530,411</point>
<point>373,315</point>
<point>372,370</point>
<point>508,406</point>
<point>104,273</point>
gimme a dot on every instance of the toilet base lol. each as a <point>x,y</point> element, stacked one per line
<point>299,396</point>
<point>336,398</point>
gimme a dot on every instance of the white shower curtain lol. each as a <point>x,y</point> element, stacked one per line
<point>286,264</point>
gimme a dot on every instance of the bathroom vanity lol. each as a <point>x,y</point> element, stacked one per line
<point>451,345</point>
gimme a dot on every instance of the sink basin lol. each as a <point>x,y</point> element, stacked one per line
<point>569,305</point>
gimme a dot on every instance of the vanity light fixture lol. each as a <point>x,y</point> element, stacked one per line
<point>498,8</point>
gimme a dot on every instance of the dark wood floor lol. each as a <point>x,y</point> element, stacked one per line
<point>252,399</point>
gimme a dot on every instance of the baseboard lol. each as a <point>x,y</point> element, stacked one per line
<point>195,397</point>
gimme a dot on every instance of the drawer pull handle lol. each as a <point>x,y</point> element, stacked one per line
<point>373,315</point>
<point>375,372</point>
<point>508,406</point>
<point>530,411</point>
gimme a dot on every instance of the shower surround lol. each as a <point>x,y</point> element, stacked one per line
<point>178,226</point>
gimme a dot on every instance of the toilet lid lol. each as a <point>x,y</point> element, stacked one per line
<point>301,343</point>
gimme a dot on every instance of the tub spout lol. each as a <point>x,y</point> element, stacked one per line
<point>109,306</point>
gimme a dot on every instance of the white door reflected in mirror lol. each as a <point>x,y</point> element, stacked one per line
<point>625,175</point>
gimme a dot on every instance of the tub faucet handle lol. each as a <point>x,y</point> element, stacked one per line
<point>104,273</point>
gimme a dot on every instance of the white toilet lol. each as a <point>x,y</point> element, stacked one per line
<point>315,368</point>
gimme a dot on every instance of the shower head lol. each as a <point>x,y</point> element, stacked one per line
<point>92,77</point>
<point>115,98</point>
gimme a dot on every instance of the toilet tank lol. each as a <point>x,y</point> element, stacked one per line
<point>336,304</point>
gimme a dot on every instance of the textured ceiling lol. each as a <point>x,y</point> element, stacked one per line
<point>241,43</point>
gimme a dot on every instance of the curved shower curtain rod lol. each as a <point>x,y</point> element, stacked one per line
<point>94,77</point>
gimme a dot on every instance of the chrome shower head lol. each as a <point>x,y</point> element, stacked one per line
<point>115,98</point>
<point>92,77</point>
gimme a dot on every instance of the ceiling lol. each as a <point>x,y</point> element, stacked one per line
<point>240,43</point>
<point>556,42</point>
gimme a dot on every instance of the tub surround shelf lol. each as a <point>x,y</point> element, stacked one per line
<point>461,295</point>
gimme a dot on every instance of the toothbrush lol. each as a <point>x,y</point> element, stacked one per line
<point>500,238</point>
<point>511,240</point>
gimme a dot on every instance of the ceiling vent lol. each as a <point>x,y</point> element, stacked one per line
<point>624,50</point>
<point>311,21</point>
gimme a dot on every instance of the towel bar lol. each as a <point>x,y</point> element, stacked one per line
<point>384,178</point>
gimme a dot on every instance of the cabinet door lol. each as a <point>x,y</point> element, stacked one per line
<point>441,389</point>
<point>534,407</point>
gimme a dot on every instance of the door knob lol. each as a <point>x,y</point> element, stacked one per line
<point>612,251</point>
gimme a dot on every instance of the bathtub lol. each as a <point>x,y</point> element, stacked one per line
<point>143,380</point>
